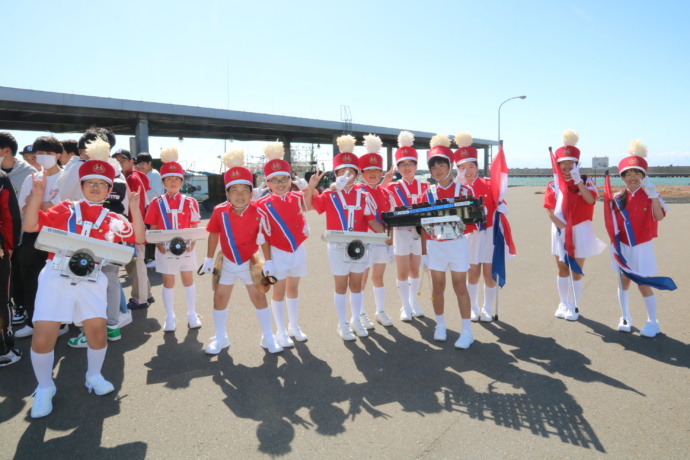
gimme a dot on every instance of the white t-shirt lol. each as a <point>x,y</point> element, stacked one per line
<point>156,184</point>
<point>51,194</point>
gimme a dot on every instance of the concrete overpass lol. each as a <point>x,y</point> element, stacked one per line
<point>30,110</point>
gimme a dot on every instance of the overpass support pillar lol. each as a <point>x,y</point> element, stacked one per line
<point>288,153</point>
<point>389,157</point>
<point>141,139</point>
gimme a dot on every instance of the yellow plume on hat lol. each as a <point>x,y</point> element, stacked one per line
<point>463,139</point>
<point>233,158</point>
<point>274,150</point>
<point>637,148</point>
<point>169,154</point>
<point>440,140</point>
<point>372,143</point>
<point>98,149</point>
<point>570,137</point>
<point>346,143</point>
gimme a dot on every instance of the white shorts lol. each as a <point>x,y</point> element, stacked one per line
<point>641,258</point>
<point>58,300</point>
<point>168,264</point>
<point>481,246</point>
<point>586,242</point>
<point>292,264</point>
<point>341,267</point>
<point>231,272</point>
<point>380,254</point>
<point>406,241</point>
<point>452,254</point>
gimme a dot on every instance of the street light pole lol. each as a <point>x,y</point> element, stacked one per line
<point>499,113</point>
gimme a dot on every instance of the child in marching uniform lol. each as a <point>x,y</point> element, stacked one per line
<point>371,166</point>
<point>286,230</point>
<point>240,228</point>
<point>83,302</point>
<point>582,195</point>
<point>348,208</point>
<point>638,210</point>
<point>446,250</point>
<point>174,211</point>
<point>407,243</point>
<point>479,236</point>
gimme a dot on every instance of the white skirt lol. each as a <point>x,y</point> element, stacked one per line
<point>641,258</point>
<point>586,242</point>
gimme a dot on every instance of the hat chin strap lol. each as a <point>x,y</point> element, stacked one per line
<point>91,203</point>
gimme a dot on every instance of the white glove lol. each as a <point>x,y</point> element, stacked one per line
<point>259,191</point>
<point>650,189</point>
<point>301,184</point>
<point>460,177</point>
<point>503,209</point>
<point>341,182</point>
<point>268,268</point>
<point>425,262</point>
<point>208,266</point>
<point>575,175</point>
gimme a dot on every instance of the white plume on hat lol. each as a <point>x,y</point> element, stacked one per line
<point>570,137</point>
<point>405,139</point>
<point>346,143</point>
<point>440,140</point>
<point>463,139</point>
<point>274,150</point>
<point>169,154</point>
<point>233,158</point>
<point>115,164</point>
<point>637,148</point>
<point>372,143</point>
<point>98,149</point>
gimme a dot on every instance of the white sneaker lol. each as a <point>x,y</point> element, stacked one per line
<point>466,339</point>
<point>405,314</point>
<point>416,311</point>
<point>271,344</point>
<point>296,333</point>
<point>11,357</point>
<point>474,315</point>
<point>383,319</point>
<point>561,310</point>
<point>650,329</point>
<point>169,324</point>
<point>43,401</point>
<point>359,328</point>
<point>440,333</point>
<point>571,313</point>
<point>26,331</point>
<point>486,315</point>
<point>366,322</point>
<point>124,319</point>
<point>99,385</point>
<point>625,324</point>
<point>193,321</point>
<point>345,332</point>
<point>151,264</point>
<point>284,340</point>
<point>216,345</point>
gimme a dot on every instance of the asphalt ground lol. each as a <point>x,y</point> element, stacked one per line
<point>531,385</point>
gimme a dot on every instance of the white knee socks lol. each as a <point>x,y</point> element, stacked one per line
<point>650,303</point>
<point>94,359</point>
<point>624,299</point>
<point>414,284</point>
<point>43,368</point>
<point>220,317</point>
<point>293,311</point>
<point>356,304</point>
<point>264,317</point>
<point>190,295</point>
<point>169,301</point>
<point>379,298</point>
<point>404,292</point>
<point>278,308</point>
<point>339,301</point>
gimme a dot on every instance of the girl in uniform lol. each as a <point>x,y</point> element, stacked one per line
<point>284,212</point>
<point>638,209</point>
<point>407,244</point>
<point>239,227</point>
<point>348,208</point>
<point>371,165</point>
<point>446,246</point>
<point>84,303</point>
<point>575,210</point>
<point>175,211</point>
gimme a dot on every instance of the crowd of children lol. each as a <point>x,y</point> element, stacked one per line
<point>90,189</point>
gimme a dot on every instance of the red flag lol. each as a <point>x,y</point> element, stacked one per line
<point>498,172</point>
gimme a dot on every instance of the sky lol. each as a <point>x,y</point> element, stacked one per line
<point>613,71</point>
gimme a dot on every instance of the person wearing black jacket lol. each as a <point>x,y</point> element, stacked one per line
<point>10,232</point>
